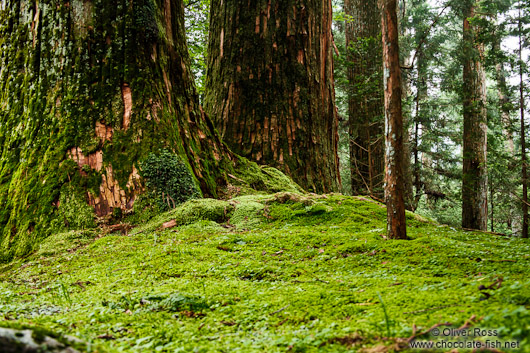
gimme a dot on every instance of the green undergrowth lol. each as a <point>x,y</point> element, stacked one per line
<point>269,273</point>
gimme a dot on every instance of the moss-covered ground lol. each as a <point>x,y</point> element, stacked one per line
<point>270,273</point>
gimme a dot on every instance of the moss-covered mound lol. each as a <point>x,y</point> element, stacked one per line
<point>271,273</point>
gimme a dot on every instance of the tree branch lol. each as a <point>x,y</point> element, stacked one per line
<point>424,38</point>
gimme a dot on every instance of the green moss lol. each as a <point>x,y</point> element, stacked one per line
<point>65,242</point>
<point>266,179</point>
<point>146,21</point>
<point>248,215</point>
<point>144,209</point>
<point>74,212</point>
<point>203,226</point>
<point>318,209</point>
<point>190,212</point>
<point>203,209</point>
<point>308,277</point>
<point>168,180</point>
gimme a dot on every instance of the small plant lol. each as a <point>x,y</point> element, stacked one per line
<point>65,293</point>
<point>387,319</point>
<point>168,180</point>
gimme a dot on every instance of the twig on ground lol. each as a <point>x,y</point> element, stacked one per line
<point>280,310</point>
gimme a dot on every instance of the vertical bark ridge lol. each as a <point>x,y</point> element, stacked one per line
<point>270,86</point>
<point>475,178</point>
<point>394,149</point>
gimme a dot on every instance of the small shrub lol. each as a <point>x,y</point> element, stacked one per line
<point>168,180</point>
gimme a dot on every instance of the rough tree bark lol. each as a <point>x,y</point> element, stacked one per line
<point>88,89</point>
<point>394,174</point>
<point>475,177</point>
<point>513,219</point>
<point>270,87</point>
<point>502,93</point>
<point>523,137</point>
<point>422,91</point>
<point>365,99</point>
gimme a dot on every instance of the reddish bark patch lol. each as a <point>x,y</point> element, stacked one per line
<point>111,194</point>
<point>103,131</point>
<point>93,160</point>
<point>127,102</point>
<point>222,42</point>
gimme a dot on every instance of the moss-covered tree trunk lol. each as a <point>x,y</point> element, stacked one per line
<point>365,98</point>
<point>270,86</point>
<point>87,90</point>
<point>475,177</point>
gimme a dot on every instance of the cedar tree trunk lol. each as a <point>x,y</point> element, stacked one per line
<point>270,88</point>
<point>365,99</point>
<point>523,137</point>
<point>513,219</point>
<point>422,92</point>
<point>475,177</point>
<point>394,149</point>
<point>87,90</point>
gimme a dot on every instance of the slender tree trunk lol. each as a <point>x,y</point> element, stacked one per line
<point>365,98</point>
<point>523,137</point>
<point>513,220</point>
<point>394,176</point>
<point>406,112</point>
<point>270,86</point>
<point>492,207</point>
<point>421,93</point>
<point>89,89</point>
<point>502,93</point>
<point>475,177</point>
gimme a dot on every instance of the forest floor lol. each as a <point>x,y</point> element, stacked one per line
<point>276,273</point>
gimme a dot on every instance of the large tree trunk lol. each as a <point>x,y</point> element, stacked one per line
<point>394,150</point>
<point>365,96</point>
<point>270,86</point>
<point>88,89</point>
<point>475,177</point>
